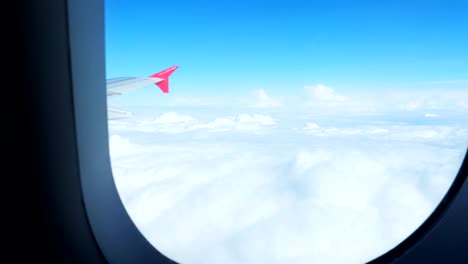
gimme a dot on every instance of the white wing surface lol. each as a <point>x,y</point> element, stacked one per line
<point>119,86</point>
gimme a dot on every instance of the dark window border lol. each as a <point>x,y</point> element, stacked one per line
<point>117,235</point>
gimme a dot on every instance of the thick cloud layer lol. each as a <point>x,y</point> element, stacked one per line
<point>272,187</point>
<point>173,123</point>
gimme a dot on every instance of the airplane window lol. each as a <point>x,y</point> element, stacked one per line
<point>291,133</point>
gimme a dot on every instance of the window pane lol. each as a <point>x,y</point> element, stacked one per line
<point>292,132</point>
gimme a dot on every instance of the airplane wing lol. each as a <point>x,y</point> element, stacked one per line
<point>114,113</point>
<point>118,86</point>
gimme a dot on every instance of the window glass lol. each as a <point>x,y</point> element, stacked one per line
<point>292,132</point>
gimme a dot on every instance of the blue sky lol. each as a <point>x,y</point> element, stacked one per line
<point>226,46</point>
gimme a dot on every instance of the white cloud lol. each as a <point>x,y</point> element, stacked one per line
<point>462,104</point>
<point>426,100</point>
<point>261,119</point>
<point>246,202</point>
<point>323,93</point>
<point>377,131</point>
<point>121,146</point>
<point>243,122</point>
<point>223,123</point>
<point>306,160</point>
<point>311,126</point>
<point>409,133</point>
<point>173,123</point>
<point>411,106</point>
<point>326,100</point>
<point>231,186</point>
<point>170,122</point>
<point>172,117</point>
<point>431,115</point>
<point>265,101</point>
